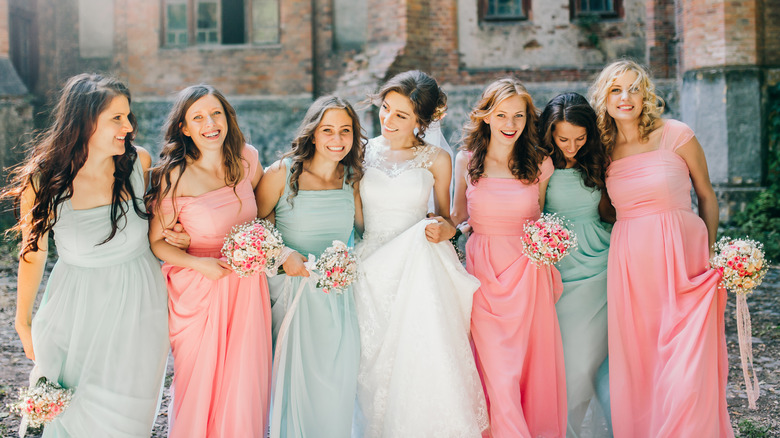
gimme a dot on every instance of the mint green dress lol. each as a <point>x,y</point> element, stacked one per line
<point>102,326</point>
<point>316,337</point>
<point>582,308</point>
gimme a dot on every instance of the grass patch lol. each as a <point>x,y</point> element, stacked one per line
<point>747,429</point>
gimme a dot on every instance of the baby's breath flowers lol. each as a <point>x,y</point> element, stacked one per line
<point>337,267</point>
<point>40,404</point>
<point>252,246</point>
<point>547,240</point>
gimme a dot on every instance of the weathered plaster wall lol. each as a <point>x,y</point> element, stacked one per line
<point>549,38</point>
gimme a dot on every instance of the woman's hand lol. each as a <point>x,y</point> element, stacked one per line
<point>440,231</point>
<point>25,335</point>
<point>293,266</point>
<point>465,228</point>
<point>212,268</point>
<point>177,237</point>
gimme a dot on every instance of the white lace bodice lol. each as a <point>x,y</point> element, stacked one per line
<point>394,194</point>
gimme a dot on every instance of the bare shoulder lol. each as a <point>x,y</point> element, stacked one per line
<point>441,158</point>
<point>276,170</point>
<point>144,156</point>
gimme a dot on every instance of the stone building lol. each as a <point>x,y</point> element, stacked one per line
<point>712,59</point>
<point>16,110</point>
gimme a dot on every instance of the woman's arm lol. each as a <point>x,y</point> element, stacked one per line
<point>358,209</point>
<point>29,277</point>
<point>212,268</point>
<point>443,229</point>
<point>694,157</point>
<point>459,207</point>
<point>267,194</point>
<point>176,235</point>
<point>270,189</point>
<point>146,163</point>
<point>542,192</point>
<point>606,209</point>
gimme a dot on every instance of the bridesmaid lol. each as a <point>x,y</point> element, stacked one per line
<point>101,327</point>
<point>576,191</point>
<point>313,195</point>
<point>220,324</point>
<point>501,176</point>
<point>667,348</point>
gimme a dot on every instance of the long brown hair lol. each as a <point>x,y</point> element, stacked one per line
<point>526,155</point>
<point>303,147</point>
<point>428,100</point>
<point>179,149</point>
<point>56,155</point>
<point>591,159</point>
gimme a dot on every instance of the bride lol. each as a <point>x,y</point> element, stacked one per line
<point>417,375</point>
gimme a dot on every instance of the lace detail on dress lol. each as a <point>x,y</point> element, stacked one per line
<point>376,157</point>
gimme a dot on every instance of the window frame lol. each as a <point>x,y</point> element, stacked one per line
<point>576,12</point>
<point>192,31</point>
<point>484,6</point>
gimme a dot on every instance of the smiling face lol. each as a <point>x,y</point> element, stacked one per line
<point>334,135</point>
<point>111,128</point>
<point>569,139</point>
<point>507,120</point>
<point>624,98</point>
<point>396,115</point>
<point>205,123</point>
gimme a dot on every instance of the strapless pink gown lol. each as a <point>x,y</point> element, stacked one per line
<point>513,320</point>
<point>220,330</point>
<point>667,347</point>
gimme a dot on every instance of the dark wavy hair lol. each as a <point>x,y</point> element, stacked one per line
<point>303,148</point>
<point>526,155</point>
<point>592,157</point>
<point>179,150</point>
<point>428,100</point>
<point>57,154</point>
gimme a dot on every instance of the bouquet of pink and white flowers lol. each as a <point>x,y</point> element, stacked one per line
<point>251,247</point>
<point>547,240</point>
<point>337,267</point>
<point>40,404</point>
<point>741,263</point>
<point>742,266</point>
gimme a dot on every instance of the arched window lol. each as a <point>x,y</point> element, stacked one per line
<point>225,22</point>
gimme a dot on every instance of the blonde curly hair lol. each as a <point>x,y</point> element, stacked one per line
<point>652,105</point>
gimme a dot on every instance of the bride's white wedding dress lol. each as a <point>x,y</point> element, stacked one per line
<point>417,374</point>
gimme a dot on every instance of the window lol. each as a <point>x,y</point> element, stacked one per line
<point>505,9</point>
<point>602,8</point>
<point>225,22</point>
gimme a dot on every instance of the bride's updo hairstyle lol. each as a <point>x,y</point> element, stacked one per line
<point>526,155</point>
<point>428,100</point>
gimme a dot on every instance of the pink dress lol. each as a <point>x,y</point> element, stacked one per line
<point>220,330</point>
<point>667,346</point>
<point>513,320</point>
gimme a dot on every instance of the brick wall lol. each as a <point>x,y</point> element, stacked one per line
<point>387,21</point>
<point>660,38</point>
<point>724,32</point>
<point>741,32</point>
<point>153,70</point>
<point>771,35</point>
<point>285,68</point>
